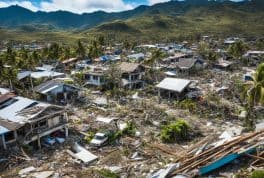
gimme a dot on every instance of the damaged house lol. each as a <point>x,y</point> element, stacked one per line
<point>254,57</point>
<point>96,76</point>
<point>132,75</point>
<point>173,88</point>
<point>26,121</point>
<point>189,65</point>
<point>57,91</point>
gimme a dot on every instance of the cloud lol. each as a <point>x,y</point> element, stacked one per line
<point>152,2</point>
<point>25,4</point>
<point>77,6</point>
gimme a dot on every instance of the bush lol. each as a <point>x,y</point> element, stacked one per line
<point>186,104</point>
<point>89,137</point>
<point>175,132</point>
<point>107,173</point>
<point>257,174</point>
<point>130,130</point>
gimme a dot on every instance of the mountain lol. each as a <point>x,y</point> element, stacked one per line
<point>189,19</point>
<point>15,16</point>
<point>170,20</point>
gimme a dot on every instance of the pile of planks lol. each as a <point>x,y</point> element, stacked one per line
<point>241,145</point>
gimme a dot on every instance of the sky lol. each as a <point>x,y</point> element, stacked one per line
<point>80,6</point>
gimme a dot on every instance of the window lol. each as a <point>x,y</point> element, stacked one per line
<point>95,77</point>
<point>9,136</point>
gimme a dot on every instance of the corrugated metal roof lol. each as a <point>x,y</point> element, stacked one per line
<point>11,112</point>
<point>4,91</point>
<point>24,74</point>
<point>3,130</point>
<point>47,74</point>
<point>174,84</point>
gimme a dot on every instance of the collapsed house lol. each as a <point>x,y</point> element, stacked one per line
<point>57,91</point>
<point>132,75</point>
<point>173,88</point>
<point>26,121</point>
<point>189,65</point>
<point>174,59</point>
<point>223,64</point>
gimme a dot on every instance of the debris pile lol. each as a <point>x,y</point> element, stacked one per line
<point>214,156</point>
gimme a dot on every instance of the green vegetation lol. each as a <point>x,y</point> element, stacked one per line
<point>237,50</point>
<point>162,22</point>
<point>257,174</point>
<point>187,104</point>
<point>130,130</point>
<point>255,97</point>
<point>175,131</point>
<point>105,173</point>
<point>90,135</point>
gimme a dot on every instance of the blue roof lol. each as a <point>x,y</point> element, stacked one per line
<point>3,130</point>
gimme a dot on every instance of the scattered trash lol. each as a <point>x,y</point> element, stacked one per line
<point>82,154</point>
<point>26,170</point>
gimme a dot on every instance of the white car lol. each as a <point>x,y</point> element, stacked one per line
<point>99,139</point>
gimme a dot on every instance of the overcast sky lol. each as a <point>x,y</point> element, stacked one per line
<point>80,6</point>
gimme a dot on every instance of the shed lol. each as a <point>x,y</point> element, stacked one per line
<point>173,87</point>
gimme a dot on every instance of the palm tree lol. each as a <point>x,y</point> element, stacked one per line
<point>255,94</point>
<point>95,50</point>
<point>80,50</point>
<point>156,56</point>
<point>153,61</point>
<point>2,66</point>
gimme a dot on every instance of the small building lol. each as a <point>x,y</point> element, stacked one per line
<point>173,88</point>
<point>132,75</point>
<point>96,76</point>
<point>223,64</point>
<point>56,91</point>
<point>69,63</point>
<point>254,57</point>
<point>136,57</point>
<point>175,58</point>
<point>189,65</point>
<point>26,121</point>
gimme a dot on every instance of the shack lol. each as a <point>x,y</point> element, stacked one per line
<point>173,88</point>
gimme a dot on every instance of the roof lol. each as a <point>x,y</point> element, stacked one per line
<point>223,63</point>
<point>3,130</point>
<point>187,63</point>
<point>50,85</point>
<point>128,67</point>
<point>136,56</point>
<point>69,60</point>
<point>23,74</point>
<point>46,74</point>
<point>174,84</point>
<point>6,97</point>
<point>4,91</point>
<point>170,73</point>
<point>11,111</point>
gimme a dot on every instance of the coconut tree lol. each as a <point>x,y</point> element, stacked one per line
<point>156,56</point>
<point>80,50</point>
<point>255,94</point>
